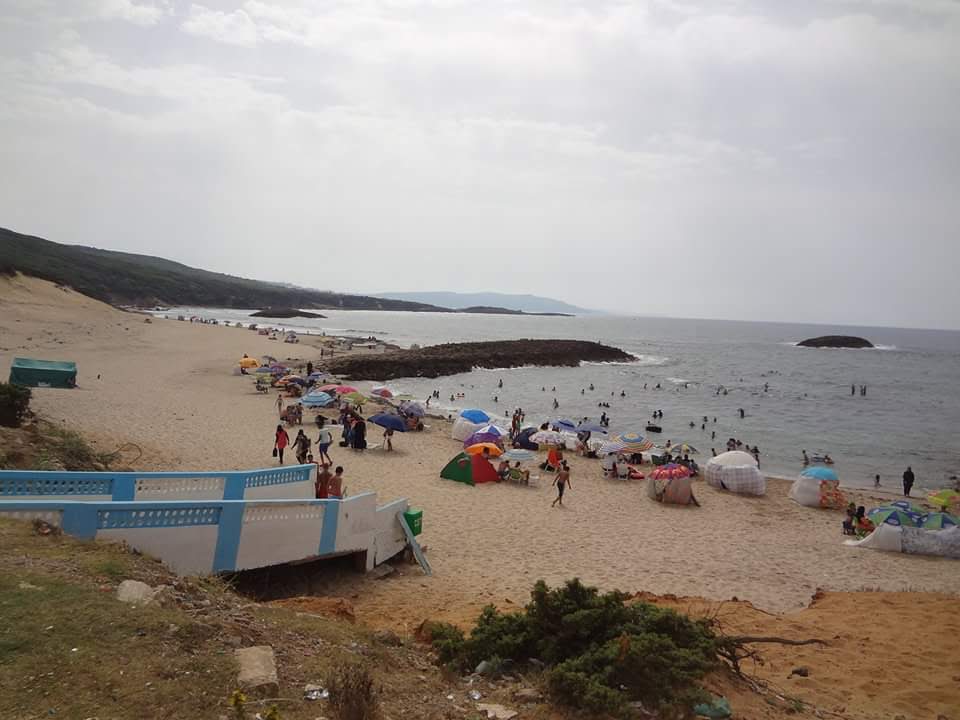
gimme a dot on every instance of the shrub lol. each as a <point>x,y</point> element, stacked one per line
<point>14,404</point>
<point>601,652</point>
<point>446,639</point>
<point>352,695</point>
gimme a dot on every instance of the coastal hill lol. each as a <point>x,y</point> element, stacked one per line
<point>121,278</point>
<point>451,358</point>
<point>531,304</point>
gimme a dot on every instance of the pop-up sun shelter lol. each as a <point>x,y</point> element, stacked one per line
<point>43,373</point>
<point>469,469</point>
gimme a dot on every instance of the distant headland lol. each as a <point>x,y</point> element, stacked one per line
<point>836,341</point>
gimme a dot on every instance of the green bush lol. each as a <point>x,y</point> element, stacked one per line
<point>14,404</point>
<point>446,639</point>
<point>601,652</point>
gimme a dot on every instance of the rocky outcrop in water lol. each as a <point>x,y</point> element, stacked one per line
<point>285,313</point>
<point>836,341</point>
<point>453,358</point>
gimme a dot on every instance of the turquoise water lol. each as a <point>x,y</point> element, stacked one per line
<point>910,415</point>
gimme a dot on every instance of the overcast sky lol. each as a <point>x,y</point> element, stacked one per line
<point>750,160</point>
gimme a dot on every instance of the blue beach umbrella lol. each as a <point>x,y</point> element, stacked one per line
<point>592,428</point>
<point>564,424</point>
<point>412,408</point>
<point>475,416</point>
<point>316,399</point>
<point>892,516</point>
<point>389,421</point>
<point>821,473</point>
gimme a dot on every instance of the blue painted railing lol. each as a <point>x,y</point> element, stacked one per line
<point>127,486</point>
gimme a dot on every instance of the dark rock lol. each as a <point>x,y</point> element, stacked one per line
<point>801,671</point>
<point>836,341</point>
<point>285,313</point>
<point>453,358</point>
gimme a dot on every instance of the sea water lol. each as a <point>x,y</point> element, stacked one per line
<point>793,398</point>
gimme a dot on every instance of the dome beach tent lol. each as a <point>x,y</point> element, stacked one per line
<point>912,540</point>
<point>818,487</point>
<point>469,469</point>
<point>736,472</point>
<point>671,490</point>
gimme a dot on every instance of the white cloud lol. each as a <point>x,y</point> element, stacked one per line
<point>232,28</point>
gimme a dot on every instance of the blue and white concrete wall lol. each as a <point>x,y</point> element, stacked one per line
<point>236,529</point>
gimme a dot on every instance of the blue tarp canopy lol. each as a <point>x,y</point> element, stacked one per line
<point>43,373</point>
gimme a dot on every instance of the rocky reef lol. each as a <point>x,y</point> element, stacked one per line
<point>452,358</point>
<point>836,341</point>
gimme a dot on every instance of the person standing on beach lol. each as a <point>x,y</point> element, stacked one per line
<point>279,404</point>
<point>280,441</point>
<point>908,479</point>
<point>302,446</point>
<point>876,480</point>
<point>322,484</point>
<point>561,481</point>
<point>336,488</point>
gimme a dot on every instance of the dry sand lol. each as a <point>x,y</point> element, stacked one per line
<point>168,387</point>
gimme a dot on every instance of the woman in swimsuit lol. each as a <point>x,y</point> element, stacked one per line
<point>561,481</point>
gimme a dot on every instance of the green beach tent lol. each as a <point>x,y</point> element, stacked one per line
<point>469,469</point>
<point>43,373</point>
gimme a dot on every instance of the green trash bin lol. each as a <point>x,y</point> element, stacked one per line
<point>414,518</point>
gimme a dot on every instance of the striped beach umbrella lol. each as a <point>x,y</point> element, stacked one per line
<point>892,516</point>
<point>519,454</point>
<point>945,499</point>
<point>629,443</point>
<point>938,521</point>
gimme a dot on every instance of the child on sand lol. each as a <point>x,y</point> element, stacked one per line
<point>336,487</point>
<point>561,481</point>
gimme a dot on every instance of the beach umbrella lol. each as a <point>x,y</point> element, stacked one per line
<point>293,380</point>
<point>475,416</point>
<point>938,521</point>
<point>381,391</point>
<point>670,470</point>
<point>357,398</point>
<point>389,421</point>
<point>263,370</point>
<point>945,499</point>
<point>338,389</point>
<point>907,507</point>
<point>564,424</point>
<point>682,448</point>
<point>480,447</point>
<point>632,442</point>
<point>892,516</point>
<point>492,430</point>
<point>315,400</point>
<point>519,454</point>
<point>412,408</point>
<point>592,428</point>
<point>546,437</point>
<point>821,473</point>
<point>482,437</point>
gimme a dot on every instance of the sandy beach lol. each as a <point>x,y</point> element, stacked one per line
<point>168,387</point>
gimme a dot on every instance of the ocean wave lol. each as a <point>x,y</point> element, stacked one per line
<point>679,381</point>
<point>644,360</point>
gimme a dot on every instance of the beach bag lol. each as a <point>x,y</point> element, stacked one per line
<point>274,450</point>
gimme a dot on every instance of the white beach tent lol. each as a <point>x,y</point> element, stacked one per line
<point>915,541</point>
<point>737,472</point>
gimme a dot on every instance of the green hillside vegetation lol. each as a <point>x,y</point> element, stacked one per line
<point>127,279</point>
